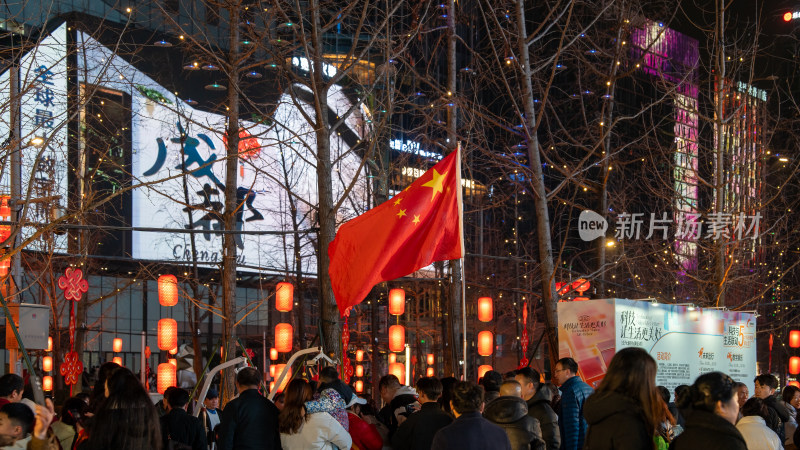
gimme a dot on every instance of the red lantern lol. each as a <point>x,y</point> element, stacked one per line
<point>278,369</point>
<point>173,361</point>
<point>429,372</point>
<point>47,383</point>
<point>147,352</point>
<point>49,344</point>
<point>117,360</point>
<point>794,338</point>
<point>794,365</point>
<point>359,370</point>
<point>397,302</point>
<point>359,386</point>
<point>359,355</point>
<point>430,359</point>
<point>272,370</point>
<point>392,358</point>
<point>581,285</point>
<point>273,354</point>
<point>284,297</point>
<point>397,338</point>
<point>167,377</point>
<point>174,351</point>
<point>167,290</point>
<point>47,363</point>
<point>398,370</point>
<point>485,343</point>
<point>117,345</point>
<point>483,369</point>
<point>485,309</point>
<point>167,334</point>
<point>283,337</point>
<point>795,383</point>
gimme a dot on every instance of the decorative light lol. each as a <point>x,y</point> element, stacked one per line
<point>359,386</point>
<point>483,369</point>
<point>359,355</point>
<point>174,362</point>
<point>278,369</point>
<point>49,344</point>
<point>429,372</point>
<point>117,360</point>
<point>167,290</point>
<point>397,302</point>
<point>359,370</point>
<point>794,365</point>
<point>117,345</point>
<point>273,354</point>
<point>284,297</point>
<point>167,377</point>
<point>485,343</point>
<point>794,338</point>
<point>283,337</point>
<point>174,351</point>
<point>795,383</point>
<point>392,358</point>
<point>398,370</point>
<point>397,338</point>
<point>167,334</point>
<point>485,309</point>
<point>47,363</point>
<point>430,359</point>
<point>272,370</point>
<point>47,383</point>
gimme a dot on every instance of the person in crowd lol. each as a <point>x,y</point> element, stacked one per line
<point>539,408</point>
<point>470,430</point>
<point>754,428</point>
<point>329,379</point>
<point>765,387</point>
<point>11,388</point>
<point>743,393</point>
<point>491,382</point>
<point>626,408</point>
<point>16,424</point>
<point>510,375</point>
<point>510,412</point>
<point>329,401</point>
<point>667,428</point>
<point>70,425</point>
<point>178,426</point>
<point>126,419</point>
<point>448,383</point>
<point>418,430</point>
<point>210,416</point>
<point>365,435</point>
<point>395,399</point>
<point>279,400</point>
<point>573,394</point>
<point>249,421</point>
<point>790,399</point>
<point>713,407</point>
<point>301,430</point>
<point>98,394</point>
<point>681,391</point>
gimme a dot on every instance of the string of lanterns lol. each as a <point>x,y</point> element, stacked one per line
<point>397,333</point>
<point>167,373</point>
<point>794,361</point>
<point>284,335</point>
<point>485,337</point>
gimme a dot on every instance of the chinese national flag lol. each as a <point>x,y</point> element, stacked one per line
<point>418,226</point>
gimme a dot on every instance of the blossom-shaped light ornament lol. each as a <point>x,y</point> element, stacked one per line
<point>71,369</point>
<point>74,286</point>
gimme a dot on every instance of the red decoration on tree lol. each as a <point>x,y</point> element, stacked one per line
<point>250,353</point>
<point>71,368</point>
<point>524,361</point>
<point>73,284</point>
<point>347,368</point>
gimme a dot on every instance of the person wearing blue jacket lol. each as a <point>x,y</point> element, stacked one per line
<point>573,394</point>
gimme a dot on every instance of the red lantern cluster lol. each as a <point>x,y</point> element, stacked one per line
<point>167,290</point>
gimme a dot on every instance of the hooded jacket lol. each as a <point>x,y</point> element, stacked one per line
<point>708,431</point>
<point>539,408</point>
<point>511,413</point>
<point>615,422</point>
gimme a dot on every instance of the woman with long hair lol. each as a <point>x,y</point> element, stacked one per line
<point>300,430</point>
<point>790,397</point>
<point>126,419</point>
<point>626,408</point>
<point>712,411</point>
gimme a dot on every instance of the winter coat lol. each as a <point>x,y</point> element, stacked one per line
<point>416,432</point>
<point>615,422</point>
<point>757,434</point>
<point>789,426</point>
<point>388,414</point>
<point>571,422</point>
<point>778,415</point>
<point>177,425</point>
<point>511,413</point>
<point>365,435</point>
<point>539,408</point>
<point>249,422</point>
<point>319,432</point>
<point>471,431</point>
<point>708,431</point>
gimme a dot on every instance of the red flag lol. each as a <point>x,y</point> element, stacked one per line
<point>418,226</point>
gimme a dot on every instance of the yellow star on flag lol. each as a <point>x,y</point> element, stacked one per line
<point>437,183</point>
<point>416,219</point>
<point>401,213</point>
<point>397,202</point>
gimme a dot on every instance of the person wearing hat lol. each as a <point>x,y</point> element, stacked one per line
<point>210,416</point>
<point>365,435</point>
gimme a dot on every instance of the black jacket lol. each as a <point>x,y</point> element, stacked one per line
<point>177,425</point>
<point>417,432</point>
<point>511,413</point>
<point>708,431</point>
<point>615,422</point>
<point>249,422</point>
<point>471,431</point>
<point>539,408</point>
<point>778,415</point>
<point>404,396</point>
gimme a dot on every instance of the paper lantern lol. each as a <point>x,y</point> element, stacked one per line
<point>47,363</point>
<point>173,351</point>
<point>397,302</point>
<point>485,309</point>
<point>283,337</point>
<point>359,386</point>
<point>117,345</point>
<point>359,370</point>
<point>359,355</point>
<point>397,338</point>
<point>167,334</point>
<point>173,361</point>
<point>271,386</point>
<point>429,372</point>
<point>49,344</point>
<point>147,352</point>
<point>284,297</point>
<point>795,383</point>
<point>485,343</point>
<point>273,354</point>
<point>167,377</point>
<point>117,360</point>
<point>794,365</point>
<point>47,383</point>
<point>392,358</point>
<point>794,338</point>
<point>272,370</point>
<point>430,359</point>
<point>278,369</point>
<point>483,369</point>
<point>167,290</point>
<point>398,370</point>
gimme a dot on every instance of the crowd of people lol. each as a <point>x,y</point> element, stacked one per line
<point>511,411</point>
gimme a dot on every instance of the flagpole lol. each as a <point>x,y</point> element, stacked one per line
<point>464,318</point>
